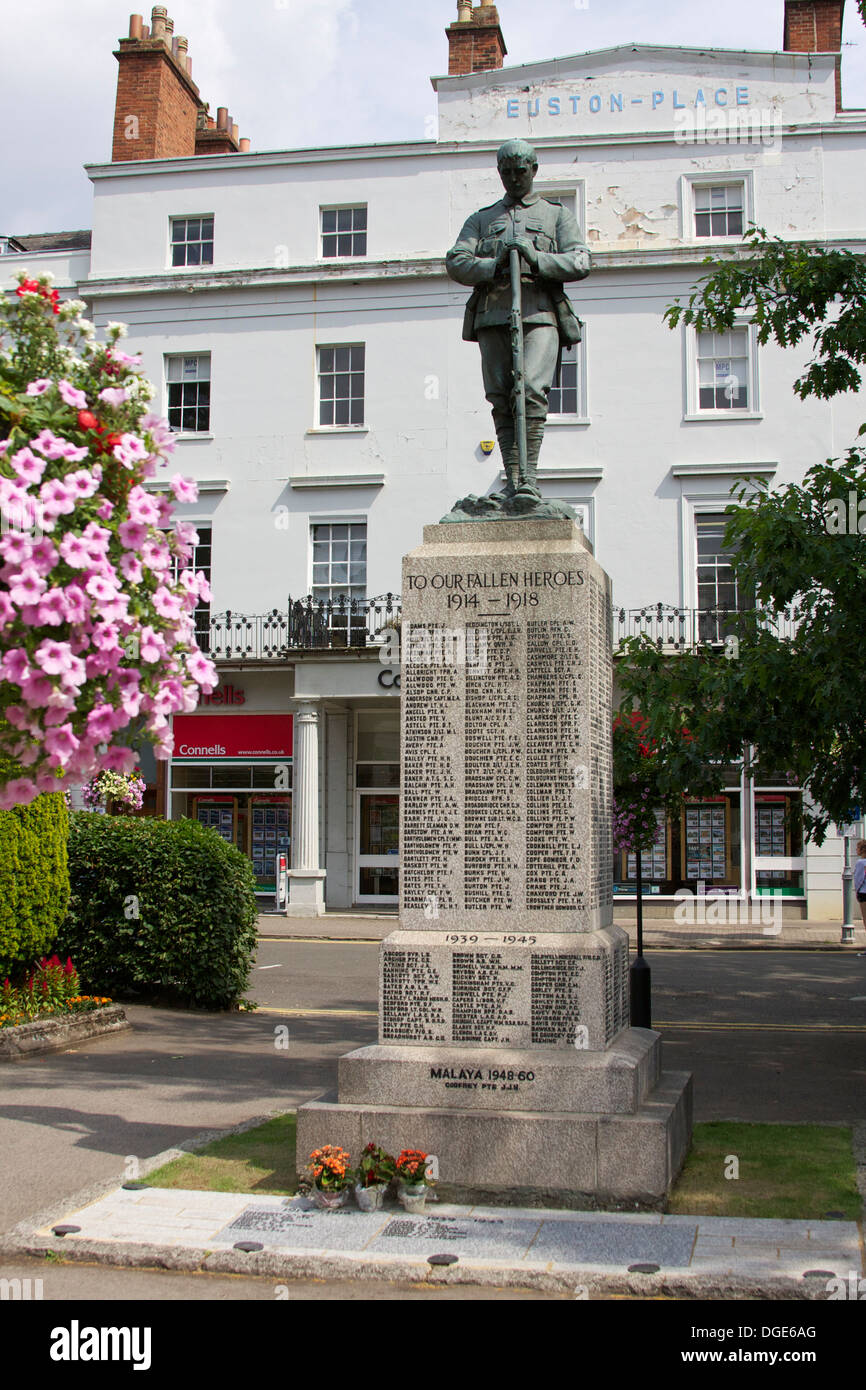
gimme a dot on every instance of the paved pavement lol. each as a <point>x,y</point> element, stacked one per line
<point>658,932</point>
<point>584,1254</point>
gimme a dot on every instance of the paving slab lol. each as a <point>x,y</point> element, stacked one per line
<point>707,1257</point>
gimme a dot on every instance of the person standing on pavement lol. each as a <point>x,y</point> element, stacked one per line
<point>860,878</point>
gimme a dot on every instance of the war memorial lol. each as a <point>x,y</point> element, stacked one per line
<point>504,1041</point>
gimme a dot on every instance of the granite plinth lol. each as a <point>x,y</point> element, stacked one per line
<point>615,1081</point>
<point>504,1046</point>
<point>499,989</point>
<point>633,1158</point>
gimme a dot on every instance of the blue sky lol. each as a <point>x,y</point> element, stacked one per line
<point>305,72</point>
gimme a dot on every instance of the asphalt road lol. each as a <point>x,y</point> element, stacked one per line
<point>754,988</point>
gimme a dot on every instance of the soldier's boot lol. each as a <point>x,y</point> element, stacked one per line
<point>508,449</point>
<point>534,436</point>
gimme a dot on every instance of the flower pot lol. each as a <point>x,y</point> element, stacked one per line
<point>330,1201</point>
<point>371,1198</point>
<point>413,1196</point>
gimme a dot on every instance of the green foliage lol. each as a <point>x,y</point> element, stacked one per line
<point>159,906</point>
<point>34,879</point>
<point>799,705</point>
<point>794,291</point>
<point>374,1166</point>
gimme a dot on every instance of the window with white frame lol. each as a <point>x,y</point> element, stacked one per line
<point>340,575</point>
<point>339,559</point>
<point>719,209</point>
<point>341,384</point>
<point>565,198</point>
<point>565,393</point>
<point>188,382</point>
<point>724,370</point>
<point>344,231</point>
<point>192,241</point>
<point>718,589</point>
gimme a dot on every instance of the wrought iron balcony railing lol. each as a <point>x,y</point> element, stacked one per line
<point>307,624</point>
<point>684,629</point>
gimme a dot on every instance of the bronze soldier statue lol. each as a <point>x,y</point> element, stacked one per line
<point>548,241</point>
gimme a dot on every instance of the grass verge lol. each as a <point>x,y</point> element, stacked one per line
<point>788,1171</point>
<point>258,1160</point>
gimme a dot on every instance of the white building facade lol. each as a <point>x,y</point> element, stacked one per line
<point>293,309</point>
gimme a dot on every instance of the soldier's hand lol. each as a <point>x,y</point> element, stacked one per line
<point>502,257</point>
<point>528,252</point>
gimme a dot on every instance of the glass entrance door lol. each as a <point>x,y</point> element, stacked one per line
<point>377,816</point>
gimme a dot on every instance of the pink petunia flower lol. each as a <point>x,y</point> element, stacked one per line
<point>132,534</point>
<point>165,603</point>
<point>51,445</point>
<point>28,466</point>
<point>27,586</point>
<point>114,395</point>
<point>18,792</point>
<point>142,507</point>
<point>14,665</point>
<point>61,743</point>
<point>130,568</point>
<point>184,489</point>
<point>156,555</point>
<point>74,551</point>
<point>16,548</point>
<point>54,657</point>
<point>71,395</point>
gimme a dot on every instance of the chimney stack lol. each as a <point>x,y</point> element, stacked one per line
<point>159,113</point>
<point>815,26</point>
<point>475,42</point>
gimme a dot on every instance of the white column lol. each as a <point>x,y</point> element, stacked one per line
<point>306,879</point>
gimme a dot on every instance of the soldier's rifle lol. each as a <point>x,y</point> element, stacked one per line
<point>518,392</point>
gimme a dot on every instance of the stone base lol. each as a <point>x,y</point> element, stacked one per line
<point>496,506</point>
<point>615,1081</point>
<point>306,893</point>
<point>610,1158</point>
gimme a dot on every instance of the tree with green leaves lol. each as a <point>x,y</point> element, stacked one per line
<point>794,705</point>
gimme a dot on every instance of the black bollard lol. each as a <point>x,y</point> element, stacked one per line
<point>640,975</point>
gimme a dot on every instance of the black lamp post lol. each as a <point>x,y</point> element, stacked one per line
<point>640,990</point>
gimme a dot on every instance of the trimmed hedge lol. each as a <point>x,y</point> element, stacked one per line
<point>34,879</point>
<point>159,907</point>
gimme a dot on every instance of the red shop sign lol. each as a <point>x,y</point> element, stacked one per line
<point>232,736</point>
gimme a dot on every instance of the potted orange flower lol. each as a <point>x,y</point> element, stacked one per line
<point>412,1179</point>
<point>330,1176</point>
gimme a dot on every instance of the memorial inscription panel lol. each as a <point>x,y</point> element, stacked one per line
<point>486,990</point>
<point>505,685</point>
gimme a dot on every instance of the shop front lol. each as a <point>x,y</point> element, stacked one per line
<point>744,843</point>
<point>233,773</point>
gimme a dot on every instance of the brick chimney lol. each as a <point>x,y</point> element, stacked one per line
<point>475,42</point>
<point>815,26</point>
<point>159,113</point>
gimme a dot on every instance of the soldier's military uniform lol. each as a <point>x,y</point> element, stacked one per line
<point>549,322</point>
